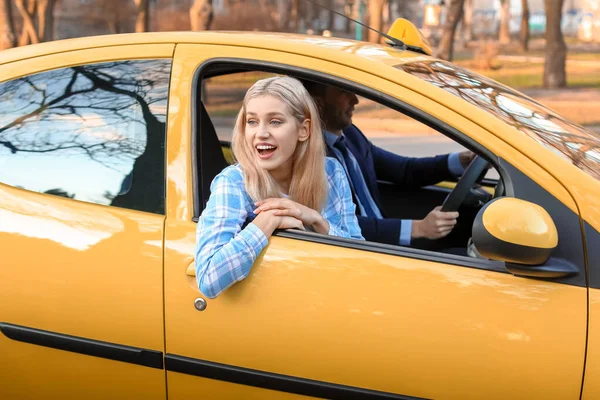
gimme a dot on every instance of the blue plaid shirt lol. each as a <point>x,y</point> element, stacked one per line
<point>225,252</point>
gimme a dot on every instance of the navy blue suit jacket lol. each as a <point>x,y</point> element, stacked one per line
<point>406,172</point>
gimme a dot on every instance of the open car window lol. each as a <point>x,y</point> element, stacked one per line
<point>384,127</point>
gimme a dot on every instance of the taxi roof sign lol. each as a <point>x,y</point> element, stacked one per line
<point>412,37</point>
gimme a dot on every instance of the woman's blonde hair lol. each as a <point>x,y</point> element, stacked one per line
<point>309,183</point>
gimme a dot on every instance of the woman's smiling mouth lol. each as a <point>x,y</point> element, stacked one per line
<point>265,150</point>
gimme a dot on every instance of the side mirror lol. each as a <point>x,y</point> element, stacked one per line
<point>515,231</point>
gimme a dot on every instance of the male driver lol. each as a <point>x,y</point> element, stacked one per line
<point>366,163</point>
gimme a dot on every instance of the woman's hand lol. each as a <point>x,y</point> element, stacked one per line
<point>267,222</point>
<point>289,208</point>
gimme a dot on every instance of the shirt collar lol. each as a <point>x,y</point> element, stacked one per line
<point>331,138</point>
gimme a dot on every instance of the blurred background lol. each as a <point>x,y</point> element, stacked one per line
<point>548,49</point>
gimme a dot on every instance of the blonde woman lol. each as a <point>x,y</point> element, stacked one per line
<point>282,178</point>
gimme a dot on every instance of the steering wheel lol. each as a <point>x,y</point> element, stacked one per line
<point>472,174</point>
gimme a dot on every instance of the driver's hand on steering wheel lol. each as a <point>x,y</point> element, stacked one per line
<point>436,224</point>
<point>465,158</point>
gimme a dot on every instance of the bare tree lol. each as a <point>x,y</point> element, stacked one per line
<point>142,12</point>
<point>555,75</point>
<point>45,18</point>
<point>7,28</point>
<point>284,8</point>
<point>348,7</point>
<point>308,13</point>
<point>467,23</point>
<point>112,11</point>
<point>29,33</point>
<point>201,15</point>
<point>38,20</point>
<point>376,18</point>
<point>504,34</point>
<point>295,15</point>
<point>330,14</point>
<point>524,33</point>
<point>445,49</point>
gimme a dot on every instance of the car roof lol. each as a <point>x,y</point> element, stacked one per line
<point>303,44</point>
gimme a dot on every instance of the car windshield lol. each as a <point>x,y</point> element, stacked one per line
<point>577,144</point>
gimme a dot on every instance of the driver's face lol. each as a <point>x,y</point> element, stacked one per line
<point>338,107</point>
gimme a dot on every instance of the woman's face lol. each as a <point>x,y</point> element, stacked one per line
<point>272,133</point>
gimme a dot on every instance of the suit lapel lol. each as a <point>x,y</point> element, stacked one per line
<point>358,145</point>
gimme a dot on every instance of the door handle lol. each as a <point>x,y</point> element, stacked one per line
<point>190,273</point>
<point>191,270</point>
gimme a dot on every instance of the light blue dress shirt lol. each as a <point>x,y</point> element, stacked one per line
<point>225,249</point>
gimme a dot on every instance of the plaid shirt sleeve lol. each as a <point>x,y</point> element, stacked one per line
<point>340,211</point>
<point>224,251</point>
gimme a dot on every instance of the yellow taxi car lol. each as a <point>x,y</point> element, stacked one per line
<point>106,157</point>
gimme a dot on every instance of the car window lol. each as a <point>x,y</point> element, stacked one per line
<point>94,133</point>
<point>384,127</point>
<point>398,196</point>
<point>400,134</point>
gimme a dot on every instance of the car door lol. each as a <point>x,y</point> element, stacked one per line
<point>327,317</point>
<point>82,196</point>
<point>591,388</point>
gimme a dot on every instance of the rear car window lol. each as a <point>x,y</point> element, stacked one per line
<point>94,133</point>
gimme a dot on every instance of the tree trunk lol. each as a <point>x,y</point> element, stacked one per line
<point>294,16</point>
<point>114,21</point>
<point>201,15</point>
<point>446,49</point>
<point>142,12</point>
<point>524,33</point>
<point>45,17</point>
<point>284,11</point>
<point>504,34</point>
<point>555,75</point>
<point>29,33</point>
<point>7,29</point>
<point>330,15</point>
<point>111,11</point>
<point>375,19</point>
<point>385,17</point>
<point>467,23</point>
<point>310,12</point>
<point>348,7</point>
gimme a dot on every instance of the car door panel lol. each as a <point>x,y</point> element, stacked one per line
<point>363,317</point>
<point>383,322</point>
<point>80,270</point>
<point>591,387</point>
<point>184,384</point>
